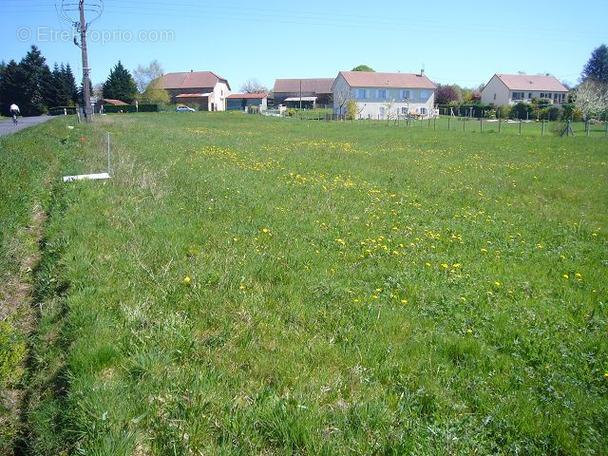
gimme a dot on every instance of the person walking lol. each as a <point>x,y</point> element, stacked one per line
<point>15,112</point>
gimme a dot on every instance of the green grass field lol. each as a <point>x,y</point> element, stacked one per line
<point>248,285</point>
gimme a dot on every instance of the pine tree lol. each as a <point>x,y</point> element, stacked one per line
<point>54,94</point>
<point>120,85</point>
<point>596,68</point>
<point>70,82</point>
<point>11,87</point>
<point>37,81</point>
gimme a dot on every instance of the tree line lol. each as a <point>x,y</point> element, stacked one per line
<point>34,87</point>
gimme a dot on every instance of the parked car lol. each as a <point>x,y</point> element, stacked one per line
<point>185,108</point>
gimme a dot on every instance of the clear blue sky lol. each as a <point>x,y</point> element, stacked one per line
<point>462,42</point>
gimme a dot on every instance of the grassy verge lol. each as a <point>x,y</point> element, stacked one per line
<point>29,163</point>
<point>246,285</point>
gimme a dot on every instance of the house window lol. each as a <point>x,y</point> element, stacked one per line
<point>404,111</point>
<point>382,94</point>
<point>423,111</point>
<point>424,94</point>
<point>494,97</point>
<point>361,94</point>
<point>518,96</point>
<point>529,95</point>
<point>405,94</point>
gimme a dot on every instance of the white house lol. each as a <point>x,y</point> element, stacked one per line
<point>203,88</point>
<point>384,95</point>
<point>510,89</point>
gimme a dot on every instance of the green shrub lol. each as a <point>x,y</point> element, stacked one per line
<point>551,113</point>
<point>571,112</point>
<point>352,110</point>
<point>522,111</point>
<point>130,108</point>
<point>61,110</point>
<point>503,112</point>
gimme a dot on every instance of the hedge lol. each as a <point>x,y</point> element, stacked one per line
<point>107,108</point>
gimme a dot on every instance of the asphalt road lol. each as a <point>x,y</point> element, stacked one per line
<point>7,126</point>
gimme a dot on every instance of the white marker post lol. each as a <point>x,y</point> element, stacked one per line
<point>95,176</point>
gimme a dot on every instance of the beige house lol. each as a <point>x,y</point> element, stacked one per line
<point>203,89</point>
<point>385,95</point>
<point>510,89</point>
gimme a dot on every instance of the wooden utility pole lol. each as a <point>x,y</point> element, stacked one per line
<point>86,81</point>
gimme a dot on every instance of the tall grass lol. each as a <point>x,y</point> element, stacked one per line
<point>258,286</point>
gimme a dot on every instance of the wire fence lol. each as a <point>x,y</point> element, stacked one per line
<point>594,129</point>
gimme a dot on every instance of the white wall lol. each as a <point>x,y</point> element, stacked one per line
<point>495,92</point>
<point>220,93</point>
<point>414,101</point>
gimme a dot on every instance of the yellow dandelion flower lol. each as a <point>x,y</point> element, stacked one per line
<point>265,230</point>
<point>566,276</point>
<point>469,331</point>
<point>578,276</point>
<point>187,279</point>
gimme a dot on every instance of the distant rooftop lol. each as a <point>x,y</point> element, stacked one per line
<point>316,85</point>
<point>526,82</point>
<point>388,80</point>
<point>190,80</point>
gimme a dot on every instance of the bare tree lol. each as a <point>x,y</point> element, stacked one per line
<point>388,110</point>
<point>253,86</point>
<point>144,75</point>
<point>341,97</point>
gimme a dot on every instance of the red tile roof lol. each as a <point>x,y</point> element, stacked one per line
<point>191,80</point>
<point>114,102</point>
<point>525,82</point>
<point>389,80</point>
<point>249,96</point>
<point>318,85</point>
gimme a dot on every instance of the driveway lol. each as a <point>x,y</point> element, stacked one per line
<point>6,125</point>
